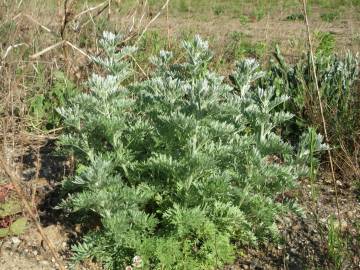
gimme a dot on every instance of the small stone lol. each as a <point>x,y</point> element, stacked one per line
<point>7,245</point>
<point>351,214</point>
<point>338,183</point>
<point>35,252</point>
<point>323,220</point>
<point>286,220</point>
<point>44,262</point>
<point>342,225</point>
<point>15,241</point>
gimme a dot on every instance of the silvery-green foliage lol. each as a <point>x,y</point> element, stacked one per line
<point>336,77</point>
<point>310,146</point>
<point>114,60</point>
<point>182,168</point>
<point>247,72</point>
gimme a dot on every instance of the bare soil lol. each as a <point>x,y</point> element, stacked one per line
<point>290,35</point>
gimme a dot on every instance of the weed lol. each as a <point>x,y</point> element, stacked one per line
<point>325,43</point>
<point>338,86</point>
<point>295,17</point>
<point>244,19</point>
<point>329,17</point>
<point>152,43</point>
<point>336,244</point>
<point>239,46</point>
<point>41,106</point>
<point>218,10</point>
<point>258,13</point>
<point>183,6</point>
<point>179,166</point>
<point>11,221</point>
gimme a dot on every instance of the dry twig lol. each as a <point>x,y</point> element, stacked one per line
<point>152,20</point>
<point>306,20</point>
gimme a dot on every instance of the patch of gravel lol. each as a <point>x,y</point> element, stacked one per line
<point>28,252</point>
<point>11,260</point>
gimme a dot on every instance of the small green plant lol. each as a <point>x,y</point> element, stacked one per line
<point>295,17</point>
<point>183,6</point>
<point>336,243</point>
<point>218,10</point>
<point>244,19</point>
<point>259,13</point>
<point>178,168</point>
<point>42,106</point>
<point>11,220</point>
<point>329,17</point>
<point>239,46</point>
<point>326,43</point>
<point>151,43</point>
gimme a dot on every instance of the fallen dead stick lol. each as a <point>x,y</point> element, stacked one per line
<point>63,42</point>
<point>15,180</point>
<point>89,10</point>
<point>12,47</point>
<point>36,55</point>
<point>97,14</point>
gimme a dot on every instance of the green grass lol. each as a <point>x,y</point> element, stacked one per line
<point>239,45</point>
<point>336,243</point>
<point>326,43</point>
<point>257,8</point>
<point>330,16</point>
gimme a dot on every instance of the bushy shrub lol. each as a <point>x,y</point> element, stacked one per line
<point>337,77</point>
<point>181,169</point>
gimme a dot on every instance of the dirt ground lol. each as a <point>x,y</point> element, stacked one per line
<point>29,252</point>
<point>290,35</point>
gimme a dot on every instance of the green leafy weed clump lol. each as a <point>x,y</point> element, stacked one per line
<point>181,169</point>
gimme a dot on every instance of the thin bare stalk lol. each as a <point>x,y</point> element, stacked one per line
<point>168,26</point>
<point>306,20</point>
<point>89,10</point>
<point>109,10</point>
<point>36,55</point>
<point>152,20</point>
